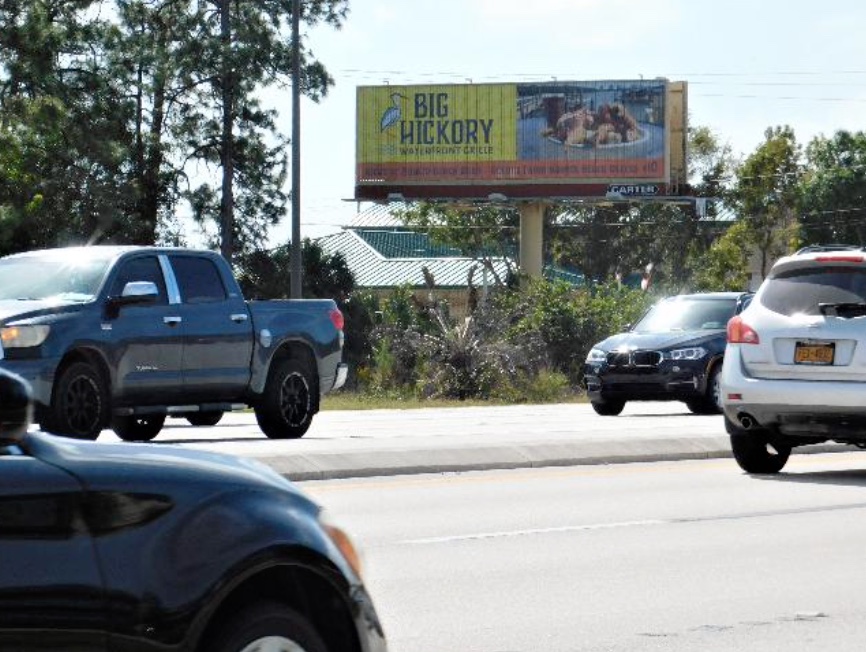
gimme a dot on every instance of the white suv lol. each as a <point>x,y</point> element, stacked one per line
<point>795,362</point>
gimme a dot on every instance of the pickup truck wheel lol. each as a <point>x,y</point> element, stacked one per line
<point>267,627</point>
<point>285,409</point>
<point>204,418</point>
<point>138,428</point>
<point>79,404</point>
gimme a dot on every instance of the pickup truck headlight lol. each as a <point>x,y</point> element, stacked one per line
<point>691,353</point>
<point>596,355</point>
<point>22,337</point>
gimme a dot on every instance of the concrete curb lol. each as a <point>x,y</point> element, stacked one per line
<point>393,461</point>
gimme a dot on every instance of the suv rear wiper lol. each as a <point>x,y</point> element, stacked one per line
<point>842,309</point>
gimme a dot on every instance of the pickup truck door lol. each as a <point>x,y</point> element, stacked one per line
<point>147,339</point>
<point>51,592</point>
<point>218,332</point>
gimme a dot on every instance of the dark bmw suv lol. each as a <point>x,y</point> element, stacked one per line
<point>156,548</point>
<point>674,353</point>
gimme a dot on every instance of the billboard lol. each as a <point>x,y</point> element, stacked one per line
<point>556,139</point>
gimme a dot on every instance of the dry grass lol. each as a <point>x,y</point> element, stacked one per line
<point>342,400</point>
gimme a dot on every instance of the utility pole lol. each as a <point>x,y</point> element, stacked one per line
<point>296,150</point>
<point>227,203</point>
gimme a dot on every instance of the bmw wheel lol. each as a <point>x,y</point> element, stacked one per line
<point>608,408</point>
<point>711,401</point>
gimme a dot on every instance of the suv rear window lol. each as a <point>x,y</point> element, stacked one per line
<point>800,291</point>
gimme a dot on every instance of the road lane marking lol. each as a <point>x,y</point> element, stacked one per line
<point>521,533</point>
<point>624,524</point>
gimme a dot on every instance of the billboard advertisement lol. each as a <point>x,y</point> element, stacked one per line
<point>525,139</point>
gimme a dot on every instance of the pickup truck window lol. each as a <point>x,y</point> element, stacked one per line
<point>145,268</point>
<point>198,279</point>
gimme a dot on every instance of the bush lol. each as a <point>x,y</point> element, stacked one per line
<point>570,320</point>
<point>523,345</point>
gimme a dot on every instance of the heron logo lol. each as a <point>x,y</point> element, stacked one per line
<point>393,114</point>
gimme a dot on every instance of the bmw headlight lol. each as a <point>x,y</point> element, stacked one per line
<point>22,337</point>
<point>691,353</point>
<point>596,355</point>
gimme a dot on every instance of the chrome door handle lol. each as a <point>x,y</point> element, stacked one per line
<point>172,321</point>
<point>238,317</point>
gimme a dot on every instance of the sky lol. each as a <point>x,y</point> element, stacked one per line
<point>749,64</point>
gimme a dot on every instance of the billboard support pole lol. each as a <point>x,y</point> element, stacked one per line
<point>531,238</point>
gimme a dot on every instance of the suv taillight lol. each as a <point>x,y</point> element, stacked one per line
<point>739,332</point>
<point>337,319</point>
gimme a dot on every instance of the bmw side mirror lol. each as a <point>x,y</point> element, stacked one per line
<point>16,408</point>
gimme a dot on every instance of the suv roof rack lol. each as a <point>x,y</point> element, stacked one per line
<point>830,247</point>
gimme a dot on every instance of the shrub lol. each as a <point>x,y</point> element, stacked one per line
<point>570,320</point>
<point>519,345</point>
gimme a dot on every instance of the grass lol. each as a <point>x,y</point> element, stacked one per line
<point>346,400</point>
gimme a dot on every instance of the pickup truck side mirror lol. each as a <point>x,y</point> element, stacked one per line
<point>16,408</point>
<point>134,293</point>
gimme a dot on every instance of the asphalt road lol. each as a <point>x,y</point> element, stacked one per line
<point>362,443</point>
<point>683,556</point>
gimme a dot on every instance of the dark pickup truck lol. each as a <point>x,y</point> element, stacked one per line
<point>123,337</point>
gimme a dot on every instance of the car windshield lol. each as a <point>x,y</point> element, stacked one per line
<point>687,315</point>
<point>51,278</point>
<point>802,291</point>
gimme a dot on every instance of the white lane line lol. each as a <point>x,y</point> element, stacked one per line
<point>796,511</point>
<point>521,533</point>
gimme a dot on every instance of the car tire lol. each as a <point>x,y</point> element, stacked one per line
<point>138,427</point>
<point>79,403</point>
<point>210,418</point>
<point>266,626</point>
<point>754,452</point>
<point>711,402</point>
<point>285,409</point>
<point>608,408</point>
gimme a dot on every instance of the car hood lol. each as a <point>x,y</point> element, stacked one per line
<point>658,341</point>
<point>25,308</point>
<point>153,467</point>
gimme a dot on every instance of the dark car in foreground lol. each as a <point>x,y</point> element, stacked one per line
<point>674,353</point>
<point>144,547</point>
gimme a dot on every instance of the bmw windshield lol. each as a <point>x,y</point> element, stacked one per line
<point>687,315</point>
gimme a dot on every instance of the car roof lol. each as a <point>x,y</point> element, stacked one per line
<point>821,255</point>
<point>102,251</point>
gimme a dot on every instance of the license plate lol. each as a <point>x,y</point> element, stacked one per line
<point>805,353</point>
